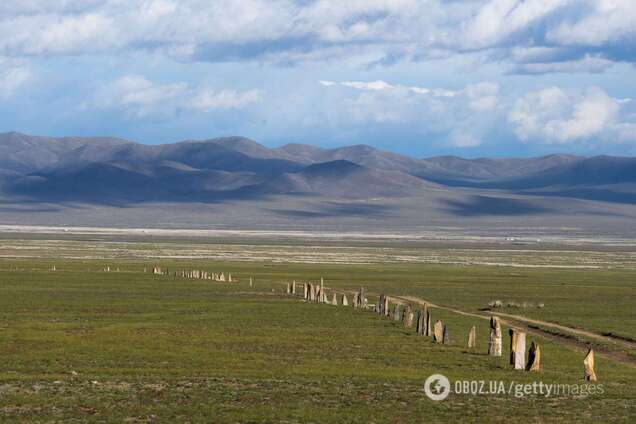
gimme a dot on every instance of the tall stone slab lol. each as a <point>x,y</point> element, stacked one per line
<point>472,336</point>
<point>588,363</point>
<point>396,313</point>
<point>534,358</point>
<point>381,304</point>
<point>408,320</point>
<point>419,328</point>
<point>438,332</point>
<point>494,343</point>
<point>517,349</point>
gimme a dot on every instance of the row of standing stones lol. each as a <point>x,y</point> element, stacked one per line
<point>438,331</point>
<point>193,274</point>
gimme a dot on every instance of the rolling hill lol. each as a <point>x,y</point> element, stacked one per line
<point>105,169</point>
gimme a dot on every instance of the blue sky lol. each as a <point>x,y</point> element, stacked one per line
<point>465,77</point>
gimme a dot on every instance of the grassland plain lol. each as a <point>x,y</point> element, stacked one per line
<point>79,344</point>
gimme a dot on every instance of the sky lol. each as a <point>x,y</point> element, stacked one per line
<point>420,77</point>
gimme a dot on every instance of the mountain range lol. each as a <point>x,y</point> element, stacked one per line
<point>106,170</point>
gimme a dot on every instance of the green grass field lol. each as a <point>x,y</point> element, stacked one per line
<point>80,345</point>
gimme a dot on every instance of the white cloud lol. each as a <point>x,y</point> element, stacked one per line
<point>286,31</point>
<point>482,96</point>
<point>383,85</point>
<point>458,118</point>
<point>553,115</point>
<point>12,77</point>
<point>588,63</point>
<point>208,100</point>
<point>608,21</point>
<point>498,19</point>
<point>142,97</point>
<point>374,85</point>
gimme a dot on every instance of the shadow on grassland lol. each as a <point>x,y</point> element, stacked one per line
<point>493,206</point>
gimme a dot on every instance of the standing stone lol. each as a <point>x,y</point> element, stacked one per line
<point>288,288</point>
<point>405,312</point>
<point>323,296</point>
<point>471,337</point>
<point>305,290</point>
<point>334,301</point>
<point>517,349</point>
<point>429,328</point>
<point>419,328</point>
<point>408,317</point>
<point>251,282</point>
<point>381,305</point>
<point>534,358</point>
<point>588,362</point>
<point>396,313</point>
<point>446,339</point>
<point>363,299</point>
<point>345,301</point>
<point>294,287</point>
<point>385,306</point>
<point>438,335</point>
<point>494,343</point>
<point>513,341</point>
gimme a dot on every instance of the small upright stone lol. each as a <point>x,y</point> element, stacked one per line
<point>305,290</point>
<point>288,288</point>
<point>534,358</point>
<point>446,338</point>
<point>472,335</point>
<point>419,328</point>
<point>323,295</point>
<point>380,308</point>
<point>429,328</point>
<point>517,349</point>
<point>334,300</point>
<point>385,306</point>
<point>355,300</point>
<point>438,334</point>
<point>494,343</point>
<point>345,301</point>
<point>294,287</point>
<point>409,319</point>
<point>396,313</point>
<point>588,362</point>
